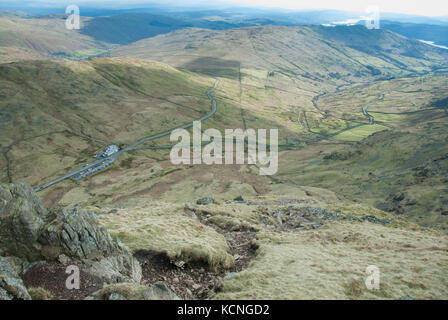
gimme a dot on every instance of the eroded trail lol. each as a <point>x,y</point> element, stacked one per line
<point>196,280</point>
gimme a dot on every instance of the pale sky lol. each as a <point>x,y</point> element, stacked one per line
<point>416,7</point>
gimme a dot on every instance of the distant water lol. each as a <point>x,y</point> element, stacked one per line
<point>431,43</point>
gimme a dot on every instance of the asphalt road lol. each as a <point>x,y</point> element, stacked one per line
<point>136,145</point>
<point>364,111</point>
<point>115,156</point>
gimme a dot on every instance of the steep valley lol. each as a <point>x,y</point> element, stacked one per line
<point>363,158</point>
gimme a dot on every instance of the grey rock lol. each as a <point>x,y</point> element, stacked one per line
<point>77,234</point>
<point>394,203</point>
<point>118,268</point>
<point>30,232</point>
<point>64,259</point>
<point>11,285</point>
<point>19,265</point>
<point>22,218</point>
<point>31,265</point>
<point>239,199</point>
<point>205,201</point>
<point>373,219</point>
<point>116,296</point>
<point>4,295</point>
<point>411,202</point>
<point>159,291</point>
<point>399,196</point>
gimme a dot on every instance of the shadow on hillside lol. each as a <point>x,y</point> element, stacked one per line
<point>214,67</point>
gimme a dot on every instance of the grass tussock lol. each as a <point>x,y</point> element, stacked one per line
<point>40,294</point>
<point>130,291</point>
<point>167,228</point>
<point>331,263</point>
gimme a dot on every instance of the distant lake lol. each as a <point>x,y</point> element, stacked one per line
<point>431,43</point>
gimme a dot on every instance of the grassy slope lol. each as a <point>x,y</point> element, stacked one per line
<point>315,54</point>
<point>326,263</point>
<point>408,155</point>
<point>127,28</point>
<point>281,69</point>
<point>57,115</point>
<point>329,264</point>
<point>105,100</point>
<point>61,113</point>
<point>254,92</point>
<point>44,38</point>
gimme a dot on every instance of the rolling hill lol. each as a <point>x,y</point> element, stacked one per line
<point>128,28</point>
<point>44,38</point>
<point>419,31</point>
<point>315,53</point>
<point>363,183</point>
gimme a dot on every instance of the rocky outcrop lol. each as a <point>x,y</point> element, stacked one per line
<point>159,291</point>
<point>22,217</point>
<point>77,234</point>
<point>396,203</point>
<point>11,285</point>
<point>205,201</point>
<point>32,233</point>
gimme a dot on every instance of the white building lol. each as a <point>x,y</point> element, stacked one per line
<point>108,151</point>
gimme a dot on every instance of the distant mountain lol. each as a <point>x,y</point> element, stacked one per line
<point>429,32</point>
<point>44,38</point>
<point>415,19</point>
<point>381,43</point>
<point>314,52</point>
<point>124,29</point>
<point>131,27</point>
<point>7,13</point>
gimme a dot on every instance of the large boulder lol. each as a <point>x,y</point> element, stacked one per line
<point>11,285</point>
<point>30,232</point>
<point>159,291</point>
<point>77,234</point>
<point>22,218</point>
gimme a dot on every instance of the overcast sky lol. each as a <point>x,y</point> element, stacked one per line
<point>417,7</point>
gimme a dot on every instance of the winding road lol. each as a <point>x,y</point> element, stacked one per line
<point>364,111</point>
<point>116,155</point>
<point>135,146</point>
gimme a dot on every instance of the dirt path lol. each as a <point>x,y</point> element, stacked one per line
<point>197,281</point>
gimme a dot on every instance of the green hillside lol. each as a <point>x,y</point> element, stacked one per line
<point>314,54</point>
<point>44,38</point>
<point>363,162</point>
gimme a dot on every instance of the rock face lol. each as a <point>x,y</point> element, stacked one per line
<point>32,233</point>
<point>159,291</point>
<point>205,201</point>
<point>11,285</point>
<point>77,234</point>
<point>395,203</point>
<point>22,218</point>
